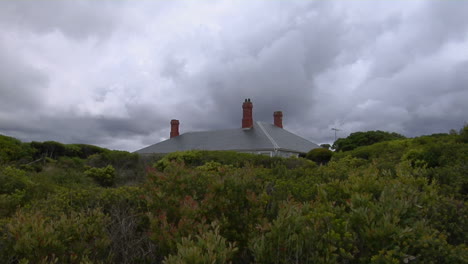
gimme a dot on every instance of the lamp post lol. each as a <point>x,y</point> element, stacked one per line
<point>335,129</point>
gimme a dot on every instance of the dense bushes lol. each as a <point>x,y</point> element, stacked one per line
<point>304,233</point>
<point>200,157</point>
<point>55,150</point>
<point>63,238</point>
<point>104,176</point>
<point>359,139</point>
<point>399,201</point>
<point>320,155</point>
<point>13,150</point>
<point>208,247</point>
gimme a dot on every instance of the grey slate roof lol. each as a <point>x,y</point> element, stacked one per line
<point>262,136</point>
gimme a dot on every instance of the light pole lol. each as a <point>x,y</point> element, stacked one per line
<point>335,129</point>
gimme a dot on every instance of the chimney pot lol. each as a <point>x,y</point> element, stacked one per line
<point>174,128</point>
<point>278,119</point>
<point>247,119</point>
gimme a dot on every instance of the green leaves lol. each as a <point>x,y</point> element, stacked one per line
<point>320,155</point>
<point>399,201</point>
<point>305,233</point>
<point>13,150</point>
<point>359,139</point>
<point>208,247</point>
<point>68,238</point>
<point>104,176</point>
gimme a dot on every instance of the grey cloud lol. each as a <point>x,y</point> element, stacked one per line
<point>277,76</point>
<point>21,85</point>
<point>446,21</point>
<point>141,121</point>
<point>424,33</point>
<point>174,68</point>
<point>356,66</point>
<point>100,130</point>
<point>77,19</point>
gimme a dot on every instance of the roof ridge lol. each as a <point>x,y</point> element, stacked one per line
<point>287,131</point>
<point>205,131</point>
<point>273,142</point>
<point>299,136</point>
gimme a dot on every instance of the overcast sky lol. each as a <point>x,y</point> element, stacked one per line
<point>114,73</point>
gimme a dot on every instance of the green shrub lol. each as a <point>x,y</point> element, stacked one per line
<point>320,155</point>
<point>127,165</point>
<point>197,158</point>
<point>391,202</point>
<point>12,179</point>
<point>126,208</point>
<point>183,201</point>
<point>13,187</point>
<point>104,176</point>
<point>463,135</point>
<point>359,139</point>
<point>305,233</point>
<point>66,238</point>
<point>208,247</point>
<point>11,150</point>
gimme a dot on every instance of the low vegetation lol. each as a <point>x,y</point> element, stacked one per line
<point>359,139</point>
<point>395,201</point>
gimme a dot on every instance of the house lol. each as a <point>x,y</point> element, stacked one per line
<point>253,137</point>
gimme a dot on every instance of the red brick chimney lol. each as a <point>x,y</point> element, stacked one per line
<point>174,128</point>
<point>278,118</point>
<point>247,120</point>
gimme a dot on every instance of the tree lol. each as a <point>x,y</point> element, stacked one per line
<point>359,139</point>
<point>50,149</point>
<point>104,176</point>
<point>320,155</point>
<point>12,149</point>
<point>325,146</point>
<point>464,134</point>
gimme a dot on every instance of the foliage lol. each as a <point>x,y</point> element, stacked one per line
<point>325,146</point>
<point>304,233</point>
<point>208,247</point>
<point>127,165</point>
<point>196,158</point>
<point>14,184</point>
<point>104,176</point>
<point>13,179</point>
<point>398,201</point>
<point>464,134</point>
<point>320,155</point>
<point>359,139</point>
<point>55,150</point>
<point>11,149</point>
<point>65,238</point>
<point>184,201</point>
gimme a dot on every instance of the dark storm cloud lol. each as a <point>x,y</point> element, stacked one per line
<point>132,125</point>
<point>412,82</point>
<point>113,73</point>
<point>275,70</point>
<point>279,72</point>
